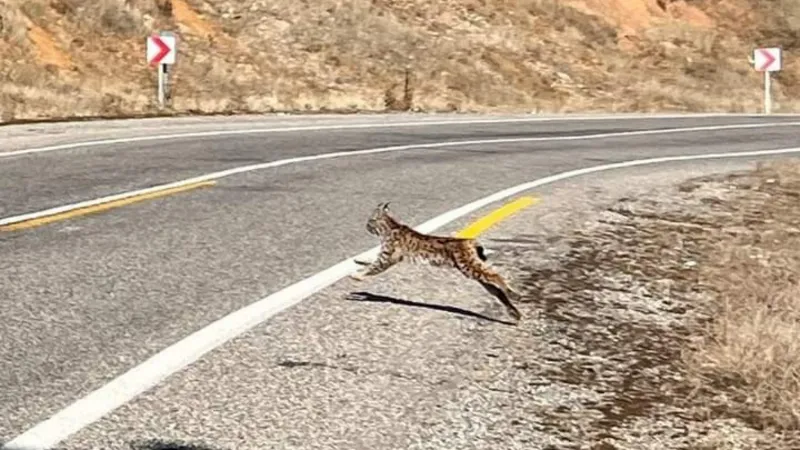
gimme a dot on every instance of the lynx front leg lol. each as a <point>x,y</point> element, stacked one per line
<point>381,264</point>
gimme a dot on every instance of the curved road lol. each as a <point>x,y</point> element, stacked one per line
<point>84,300</point>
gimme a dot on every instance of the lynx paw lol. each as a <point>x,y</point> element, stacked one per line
<point>357,276</point>
<point>515,313</point>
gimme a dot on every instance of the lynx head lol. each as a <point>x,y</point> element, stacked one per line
<point>380,221</point>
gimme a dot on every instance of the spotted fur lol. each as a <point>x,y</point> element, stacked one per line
<point>400,242</point>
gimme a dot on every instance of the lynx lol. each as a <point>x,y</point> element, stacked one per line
<point>400,242</point>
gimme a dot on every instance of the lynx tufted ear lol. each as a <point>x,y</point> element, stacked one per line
<point>386,206</point>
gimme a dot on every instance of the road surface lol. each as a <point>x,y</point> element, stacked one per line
<point>86,299</point>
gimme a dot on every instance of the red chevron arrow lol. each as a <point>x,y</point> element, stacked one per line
<point>768,59</point>
<point>163,50</point>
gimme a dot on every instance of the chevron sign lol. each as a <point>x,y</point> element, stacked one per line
<point>767,59</point>
<point>160,49</point>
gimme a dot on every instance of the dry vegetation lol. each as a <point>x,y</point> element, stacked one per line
<point>751,350</point>
<point>80,57</point>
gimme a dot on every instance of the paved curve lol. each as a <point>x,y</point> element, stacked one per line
<point>53,179</point>
<point>84,300</point>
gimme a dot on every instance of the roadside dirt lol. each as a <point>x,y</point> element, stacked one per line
<point>674,311</point>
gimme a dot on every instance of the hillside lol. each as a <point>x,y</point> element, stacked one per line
<point>67,58</point>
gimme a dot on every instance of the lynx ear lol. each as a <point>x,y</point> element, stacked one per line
<point>381,208</point>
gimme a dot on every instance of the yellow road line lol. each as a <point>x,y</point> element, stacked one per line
<point>39,221</point>
<point>472,230</point>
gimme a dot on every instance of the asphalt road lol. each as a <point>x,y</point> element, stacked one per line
<point>84,300</point>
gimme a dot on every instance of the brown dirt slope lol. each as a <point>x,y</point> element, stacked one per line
<point>68,58</point>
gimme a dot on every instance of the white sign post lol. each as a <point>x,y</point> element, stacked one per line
<point>161,50</point>
<point>767,60</point>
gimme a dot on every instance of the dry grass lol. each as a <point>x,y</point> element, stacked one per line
<point>13,29</point>
<point>751,350</point>
<point>115,16</point>
<point>523,55</point>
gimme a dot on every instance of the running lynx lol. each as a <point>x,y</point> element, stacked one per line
<point>400,242</point>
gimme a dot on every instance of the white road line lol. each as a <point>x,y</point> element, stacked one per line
<point>218,133</point>
<point>416,123</point>
<point>396,148</point>
<point>151,372</point>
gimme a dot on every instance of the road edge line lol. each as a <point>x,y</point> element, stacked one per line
<point>100,207</point>
<point>479,226</point>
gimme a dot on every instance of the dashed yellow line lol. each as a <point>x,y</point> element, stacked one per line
<point>477,227</point>
<point>39,221</point>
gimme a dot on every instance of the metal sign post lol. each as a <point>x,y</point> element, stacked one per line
<point>161,84</point>
<point>767,92</point>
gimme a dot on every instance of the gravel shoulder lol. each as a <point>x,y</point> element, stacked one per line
<point>421,359</point>
<point>629,305</point>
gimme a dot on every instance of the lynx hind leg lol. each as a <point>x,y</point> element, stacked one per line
<point>501,295</point>
<point>492,282</point>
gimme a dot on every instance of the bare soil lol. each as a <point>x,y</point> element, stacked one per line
<point>80,58</point>
<point>679,311</point>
